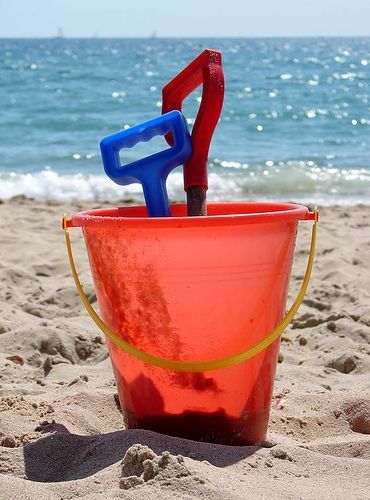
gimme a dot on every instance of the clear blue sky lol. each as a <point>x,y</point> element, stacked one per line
<point>136,18</point>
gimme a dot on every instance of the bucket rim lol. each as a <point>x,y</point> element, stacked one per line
<point>219,214</point>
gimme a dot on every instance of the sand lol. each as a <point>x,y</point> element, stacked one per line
<point>61,430</point>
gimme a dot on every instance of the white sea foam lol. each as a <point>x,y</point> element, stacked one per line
<point>229,181</point>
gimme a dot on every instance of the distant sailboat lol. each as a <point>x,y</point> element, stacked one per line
<point>60,33</point>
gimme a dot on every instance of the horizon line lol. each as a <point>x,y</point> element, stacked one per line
<point>151,37</point>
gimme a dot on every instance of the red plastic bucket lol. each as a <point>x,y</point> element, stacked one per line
<point>194,289</point>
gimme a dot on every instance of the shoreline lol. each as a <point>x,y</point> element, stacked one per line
<point>62,432</point>
<point>131,200</point>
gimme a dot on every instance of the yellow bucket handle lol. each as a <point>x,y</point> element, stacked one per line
<point>195,366</point>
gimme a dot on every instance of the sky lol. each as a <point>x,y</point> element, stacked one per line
<point>193,18</point>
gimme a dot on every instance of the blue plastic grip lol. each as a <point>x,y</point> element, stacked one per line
<point>151,172</point>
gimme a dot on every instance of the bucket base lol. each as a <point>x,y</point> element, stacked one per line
<point>215,427</point>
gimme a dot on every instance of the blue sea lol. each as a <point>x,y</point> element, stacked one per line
<point>295,123</point>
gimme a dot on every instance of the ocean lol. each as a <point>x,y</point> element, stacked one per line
<point>295,123</point>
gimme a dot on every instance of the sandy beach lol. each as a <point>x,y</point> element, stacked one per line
<point>61,430</point>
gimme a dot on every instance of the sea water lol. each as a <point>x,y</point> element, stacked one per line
<point>295,123</point>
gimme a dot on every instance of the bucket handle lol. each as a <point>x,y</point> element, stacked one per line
<point>195,366</point>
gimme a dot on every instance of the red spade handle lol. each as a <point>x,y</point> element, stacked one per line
<point>206,69</point>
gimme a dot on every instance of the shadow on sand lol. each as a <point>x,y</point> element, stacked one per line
<point>63,456</point>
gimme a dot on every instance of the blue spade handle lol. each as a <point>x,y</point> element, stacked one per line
<point>151,172</point>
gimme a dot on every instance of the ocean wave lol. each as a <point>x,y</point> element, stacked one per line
<point>301,181</point>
